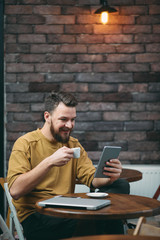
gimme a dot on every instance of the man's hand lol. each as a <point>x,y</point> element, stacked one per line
<point>61,157</point>
<point>115,168</point>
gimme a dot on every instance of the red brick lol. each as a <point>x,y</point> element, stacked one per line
<point>154,9</point>
<point>153,135</point>
<point>62,19</point>
<point>138,126</point>
<point>133,10</point>
<point>117,97</point>
<point>89,58</point>
<point>156,28</point>
<point>28,117</point>
<point>137,29</point>
<point>17,48</point>
<point>150,19</point>
<point>30,77</point>
<point>107,29</point>
<point>121,19</point>
<point>31,19</point>
<point>29,58</point>
<point>48,67</point>
<point>103,87</point>
<point>65,2</point>
<point>90,38</point>
<point>73,29</point>
<point>43,87</point>
<point>130,48</point>
<point>73,48</point>
<point>18,9</point>
<point>44,48</point>
<point>10,38</point>
<point>133,88</point>
<point>88,116</point>
<point>21,127</point>
<point>87,19</point>
<point>19,67</point>
<point>38,107</point>
<point>78,67</point>
<point>31,38</point>
<point>134,106</point>
<point>42,9</point>
<point>106,67</point>
<point>17,87</point>
<point>10,77</point>
<point>59,77</point>
<point>131,136</point>
<point>135,67</point>
<point>120,58</point>
<point>76,10</point>
<point>148,57</point>
<point>60,38</point>
<point>49,29</point>
<point>143,146</point>
<point>116,116</point>
<point>120,38</point>
<point>18,28</point>
<point>67,58</point>
<point>11,19</point>
<point>153,116</point>
<point>99,136</point>
<point>101,48</point>
<point>151,157</point>
<point>146,77</point>
<point>153,47</point>
<point>15,107</point>
<point>147,38</point>
<point>155,67</point>
<point>74,87</point>
<point>153,107</point>
<point>102,106</point>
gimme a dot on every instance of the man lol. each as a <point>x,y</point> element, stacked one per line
<point>42,164</point>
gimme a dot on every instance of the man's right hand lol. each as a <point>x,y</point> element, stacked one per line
<point>61,157</point>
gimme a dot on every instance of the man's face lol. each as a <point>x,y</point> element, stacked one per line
<point>62,122</point>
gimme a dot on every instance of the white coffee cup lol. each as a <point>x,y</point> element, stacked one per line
<point>76,153</point>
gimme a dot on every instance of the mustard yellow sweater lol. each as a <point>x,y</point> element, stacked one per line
<point>32,148</point>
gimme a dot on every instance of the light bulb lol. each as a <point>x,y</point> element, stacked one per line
<point>104,17</point>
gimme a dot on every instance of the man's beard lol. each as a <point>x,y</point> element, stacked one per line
<point>57,136</point>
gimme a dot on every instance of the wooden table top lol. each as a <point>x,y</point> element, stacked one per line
<point>123,206</point>
<point>131,175</point>
<point>114,237</point>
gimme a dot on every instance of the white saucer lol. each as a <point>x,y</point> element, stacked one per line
<point>97,194</point>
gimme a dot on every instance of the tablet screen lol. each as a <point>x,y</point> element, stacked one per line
<point>109,152</point>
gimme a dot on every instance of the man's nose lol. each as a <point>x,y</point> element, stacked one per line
<point>69,124</point>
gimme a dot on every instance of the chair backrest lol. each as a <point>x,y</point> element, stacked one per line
<point>145,229</point>
<point>6,234</point>
<point>13,215</point>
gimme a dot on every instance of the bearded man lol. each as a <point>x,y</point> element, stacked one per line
<point>42,164</point>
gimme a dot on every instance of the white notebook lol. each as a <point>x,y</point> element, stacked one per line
<point>75,202</point>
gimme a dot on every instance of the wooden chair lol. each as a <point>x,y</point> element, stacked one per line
<point>145,229</point>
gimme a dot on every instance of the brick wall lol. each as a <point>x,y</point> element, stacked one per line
<point>113,69</point>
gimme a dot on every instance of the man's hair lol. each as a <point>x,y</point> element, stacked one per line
<point>53,100</point>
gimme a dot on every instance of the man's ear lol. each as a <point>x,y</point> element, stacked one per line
<point>47,116</point>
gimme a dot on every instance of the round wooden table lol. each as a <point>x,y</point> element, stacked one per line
<point>131,175</point>
<point>123,206</point>
<point>115,237</point>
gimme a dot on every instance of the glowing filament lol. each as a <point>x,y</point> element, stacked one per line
<point>104,17</point>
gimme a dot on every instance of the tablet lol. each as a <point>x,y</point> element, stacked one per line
<point>109,152</point>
